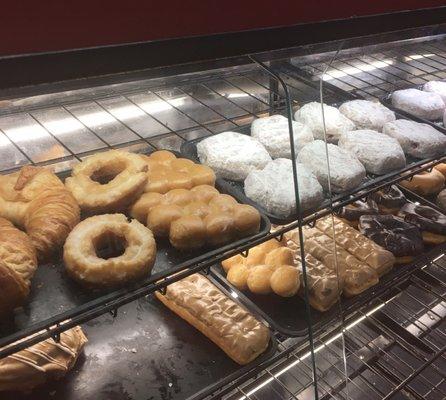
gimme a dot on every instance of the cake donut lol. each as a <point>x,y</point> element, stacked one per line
<point>353,211</point>
<point>416,139</point>
<point>441,200</point>
<point>437,87</point>
<point>425,105</point>
<point>109,232</point>
<point>367,114</point>
<point>401,238</point>
<point>108,181</point>
<point>379,153</point>
<point>389,199</point>
<point>232,155</point>
<point>425,183</point>
<point>336,123</point>
<point>431,222</point>
<point>273,133</point>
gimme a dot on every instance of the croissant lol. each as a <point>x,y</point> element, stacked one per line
<point>26,369</point>
<point>35,199</point>
<point>18,263</point>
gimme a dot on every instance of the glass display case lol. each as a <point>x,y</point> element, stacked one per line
<point>326,280</point>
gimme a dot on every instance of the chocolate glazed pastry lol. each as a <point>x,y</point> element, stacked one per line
<point>441,200</point>
<point>431,222</point>
<point>389,200</point>
<point>403,239</point>
<point>352,212</point>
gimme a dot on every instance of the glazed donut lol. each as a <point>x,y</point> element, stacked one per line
<point>441,168</point>
<point>108,182</point>
<point>425,183</point>
<point>111,231</point>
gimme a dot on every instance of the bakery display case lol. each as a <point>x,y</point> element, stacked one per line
<point>269,226</point>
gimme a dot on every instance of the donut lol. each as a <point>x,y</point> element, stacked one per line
<point>425,183</point>
<point>389,199</point>
<point>108,233</point>
<point>108,182</point>
<point>441,200</point>
<point>401,238</point>
<point>431,222</point>
<point>353,211</point>
<point>441,168</point>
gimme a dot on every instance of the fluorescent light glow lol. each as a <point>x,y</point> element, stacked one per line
<point>417,56</point>
<point>335,73</point>
<point>64,125</point>
<point>237,95</point>
<point>26,133</point>
<point>97,118</point>
<point>127,112</point>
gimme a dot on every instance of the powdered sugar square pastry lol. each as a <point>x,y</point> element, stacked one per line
<point>273,187</point>
<point>421,104</point>
<point>416,139</point>
<point>378,153</point>
<point>232,155</point>
<point>367,114</point>
<point>438,87</point>
<point>346,172</point>
<point>273,133</point>
<point>335,122</point>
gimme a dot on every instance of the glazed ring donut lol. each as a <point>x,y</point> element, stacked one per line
<point>425,183</point>
<point>108,182</point>
<point>82,249</point>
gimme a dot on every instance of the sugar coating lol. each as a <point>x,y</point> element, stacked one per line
<point>335,122</point>
<point>421,104</point>
<point>378,153</point>
<point>273,187</point>
<point>436,87</point>
<point>232,155</point>
<point>273,133</point>
<point>346,172</point>
<point>417,139</point>
<point>367,114</point>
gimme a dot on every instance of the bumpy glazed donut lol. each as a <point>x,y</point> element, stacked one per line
<point>90,236</point>
<point>425,183</point>
<point>123,177</point>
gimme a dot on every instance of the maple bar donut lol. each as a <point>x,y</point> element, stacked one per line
<point>108,182</point>
<point>111,232</point>
<point>353,211</point>
<point>389,199</point>
<point>425,183</point>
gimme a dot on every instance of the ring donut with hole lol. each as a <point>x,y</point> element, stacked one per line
<point>108,182</point>
<point>108,251</point>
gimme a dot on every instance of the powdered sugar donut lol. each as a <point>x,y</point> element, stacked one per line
<point>438,87</point>
<point>378,153</point>
<point>335,122</point>
<point>273,133</point>
<point>418,140</point>
<point>367,114</point>
<point>421,104</point>
<point>232,155</point>
<point>273,187</point>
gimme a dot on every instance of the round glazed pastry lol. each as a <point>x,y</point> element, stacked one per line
<point>108,182</point>
<point>421,104</point>
<point>441,168</point>
<point>431,222</point>
<point>285,280</point>
<point>129,251</point>
<point>401,238</point>
<point>353,211</point>
<point>259,279</point>
<point>425,183</point>
<point>389,199</point>
<point>367,114</point>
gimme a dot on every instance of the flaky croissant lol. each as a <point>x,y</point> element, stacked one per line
<point>35,199</point>
<point>18,263</point>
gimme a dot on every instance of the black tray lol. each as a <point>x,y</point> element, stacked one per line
<point>55,297</point>
<point>288,315</point>
<point>152,354</point>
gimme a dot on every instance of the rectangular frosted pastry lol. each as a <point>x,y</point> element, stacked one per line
<point>237,332</point>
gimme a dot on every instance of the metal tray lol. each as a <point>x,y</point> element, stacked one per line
<point>152,354</point>
<point>288,315</point>
<point>55,297</point>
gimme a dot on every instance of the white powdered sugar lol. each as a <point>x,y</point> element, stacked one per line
<point>416,139</point>
<point>346,172</point>
<point>378,153</point>
<point>421,104</point>
<point>436,87</point>
<point>273,133</point>
<point>367,114</point>
<point>273,188</point>
<point>335,122</point>
<point>232,155</point>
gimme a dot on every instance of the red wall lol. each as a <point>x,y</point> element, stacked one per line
<point>45,25</point>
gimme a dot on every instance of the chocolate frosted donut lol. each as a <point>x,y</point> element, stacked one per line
<point>353,211</point>
<point>393,233</point>
<point>389,199</point>
<point>426,218</point>
<point>441,200</point>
